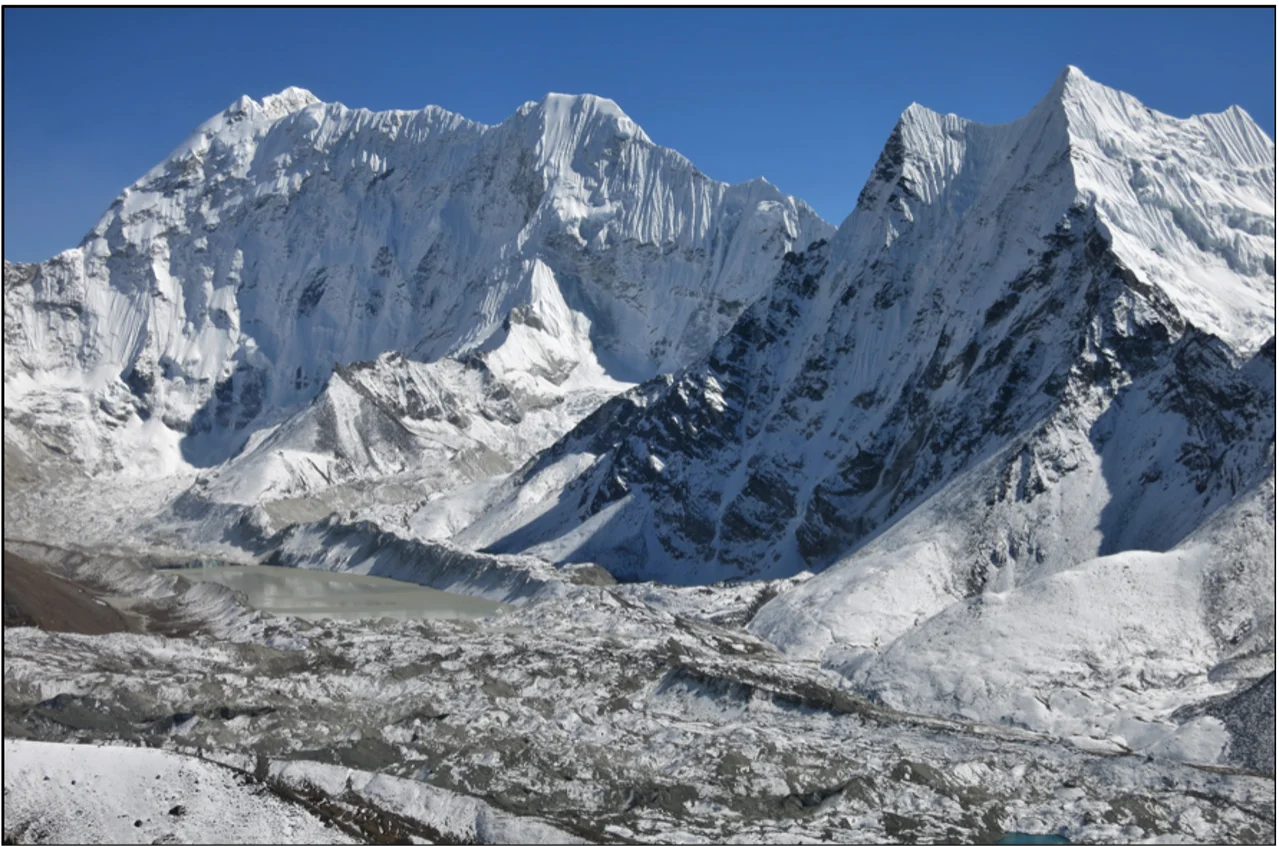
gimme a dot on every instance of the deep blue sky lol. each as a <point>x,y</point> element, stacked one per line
<point>93,98</point>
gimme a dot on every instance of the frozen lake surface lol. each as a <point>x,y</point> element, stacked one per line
<point>316,595</point>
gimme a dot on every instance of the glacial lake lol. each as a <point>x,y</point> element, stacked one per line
<point>318,595</point>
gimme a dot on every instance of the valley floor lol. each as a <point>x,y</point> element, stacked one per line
<point>586,715</point>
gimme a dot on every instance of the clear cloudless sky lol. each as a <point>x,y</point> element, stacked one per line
<point>93,98</point>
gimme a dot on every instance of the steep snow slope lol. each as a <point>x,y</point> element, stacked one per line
<point>1009,371</point>
<point>562,247</point>
<point>974,293</point>
<point>432,426</point>
<point>1094,650</point>
<point>1169,450</point>
<point>1189,205</point>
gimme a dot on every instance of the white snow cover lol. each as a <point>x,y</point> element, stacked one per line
<point>1026,387</point>
<point>544,723</point>
<point>213,299</point>
<point>952,273</point>
<point>980,396</point>
<point>464,819</point>
<point>1114,601</point>
<point>1188,204</point>
<point>90,794</point>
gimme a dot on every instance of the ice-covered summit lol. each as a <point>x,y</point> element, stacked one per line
<point>288,101</point>
<point>969,242</point>
<point>1037,356</point>
<point>1190,203</point>
<point>563,114</point>
<point>283,237</point>
<point>1187,202</point>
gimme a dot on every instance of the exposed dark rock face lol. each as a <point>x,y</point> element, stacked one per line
<point>736,482</point>
<point>984,311</point>
<point>1249,715</point>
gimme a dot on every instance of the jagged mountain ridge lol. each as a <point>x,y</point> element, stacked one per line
<point>558,253</point>
<point>983,386</point>
<point>975,284</point>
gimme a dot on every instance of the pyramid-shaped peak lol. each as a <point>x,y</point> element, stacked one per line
<point>1073,85</point>
<point>1097,111</point>
<point>1073,74</point>
<point>1073,82</point>
<point>918,112</point>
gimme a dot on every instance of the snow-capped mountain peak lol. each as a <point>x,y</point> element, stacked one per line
<point>288,101</point>
<point>1037,357</point>
<point>1006,437</point>
<point>1188,203</point>
<point>573,134</point>
<point>1069,83</point>
<point>561,113</point>
<point>287,235</point>
<point>990,277</point>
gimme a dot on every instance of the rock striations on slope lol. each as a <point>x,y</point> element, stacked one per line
<point>1032,372</point>
<point>379,292</point>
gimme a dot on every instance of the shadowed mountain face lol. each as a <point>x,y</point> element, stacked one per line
<point>983,311</point>
<point>1034,368</point>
